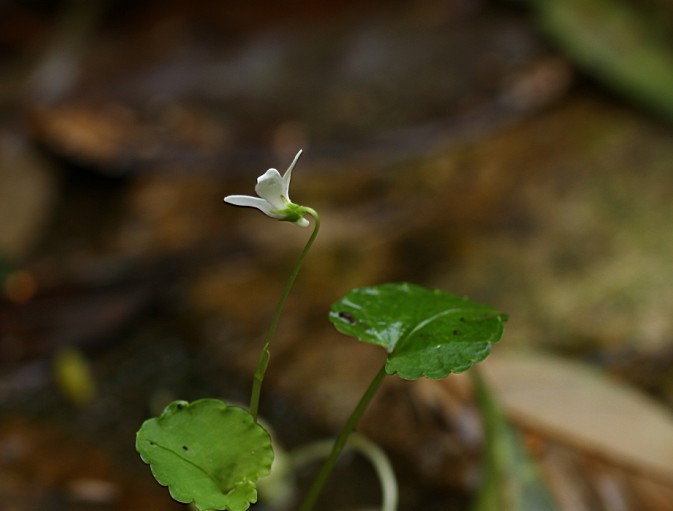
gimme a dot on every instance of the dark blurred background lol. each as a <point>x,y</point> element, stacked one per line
<point>519,152</point>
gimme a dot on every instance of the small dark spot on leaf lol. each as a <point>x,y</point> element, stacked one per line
<point>185,448</point>
<point>456,332</point>
<point>347,317</point>
<point>152,443</point>
<point>180,406</point>
<point>461,319</point>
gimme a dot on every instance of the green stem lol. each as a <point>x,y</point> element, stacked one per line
<point>340,442</point>
<point>372,452</point>
<point>264,355</point>
<point>383,468</point>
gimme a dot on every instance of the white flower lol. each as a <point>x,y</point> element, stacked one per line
<point>274,197</point>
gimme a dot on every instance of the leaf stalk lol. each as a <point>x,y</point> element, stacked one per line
<point>341,440</point>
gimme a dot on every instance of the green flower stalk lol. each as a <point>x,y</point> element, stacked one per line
<point>273,200</point>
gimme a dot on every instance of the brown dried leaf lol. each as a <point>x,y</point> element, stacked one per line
<point>579,406</point>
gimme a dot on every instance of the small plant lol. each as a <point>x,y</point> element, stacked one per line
<point>212,454</point>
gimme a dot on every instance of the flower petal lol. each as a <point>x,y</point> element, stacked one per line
<point>274,196</point>
<point>288,175</point>
<point>252,202</point>
<point>271,188</point>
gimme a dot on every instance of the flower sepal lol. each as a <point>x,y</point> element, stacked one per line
<point>293,213</point>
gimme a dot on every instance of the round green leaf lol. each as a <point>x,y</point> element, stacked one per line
<point>207,453</point>
<point>426,332</point>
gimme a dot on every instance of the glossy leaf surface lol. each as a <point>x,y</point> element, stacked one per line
<point>207,453</point>
<point>426,332</point>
